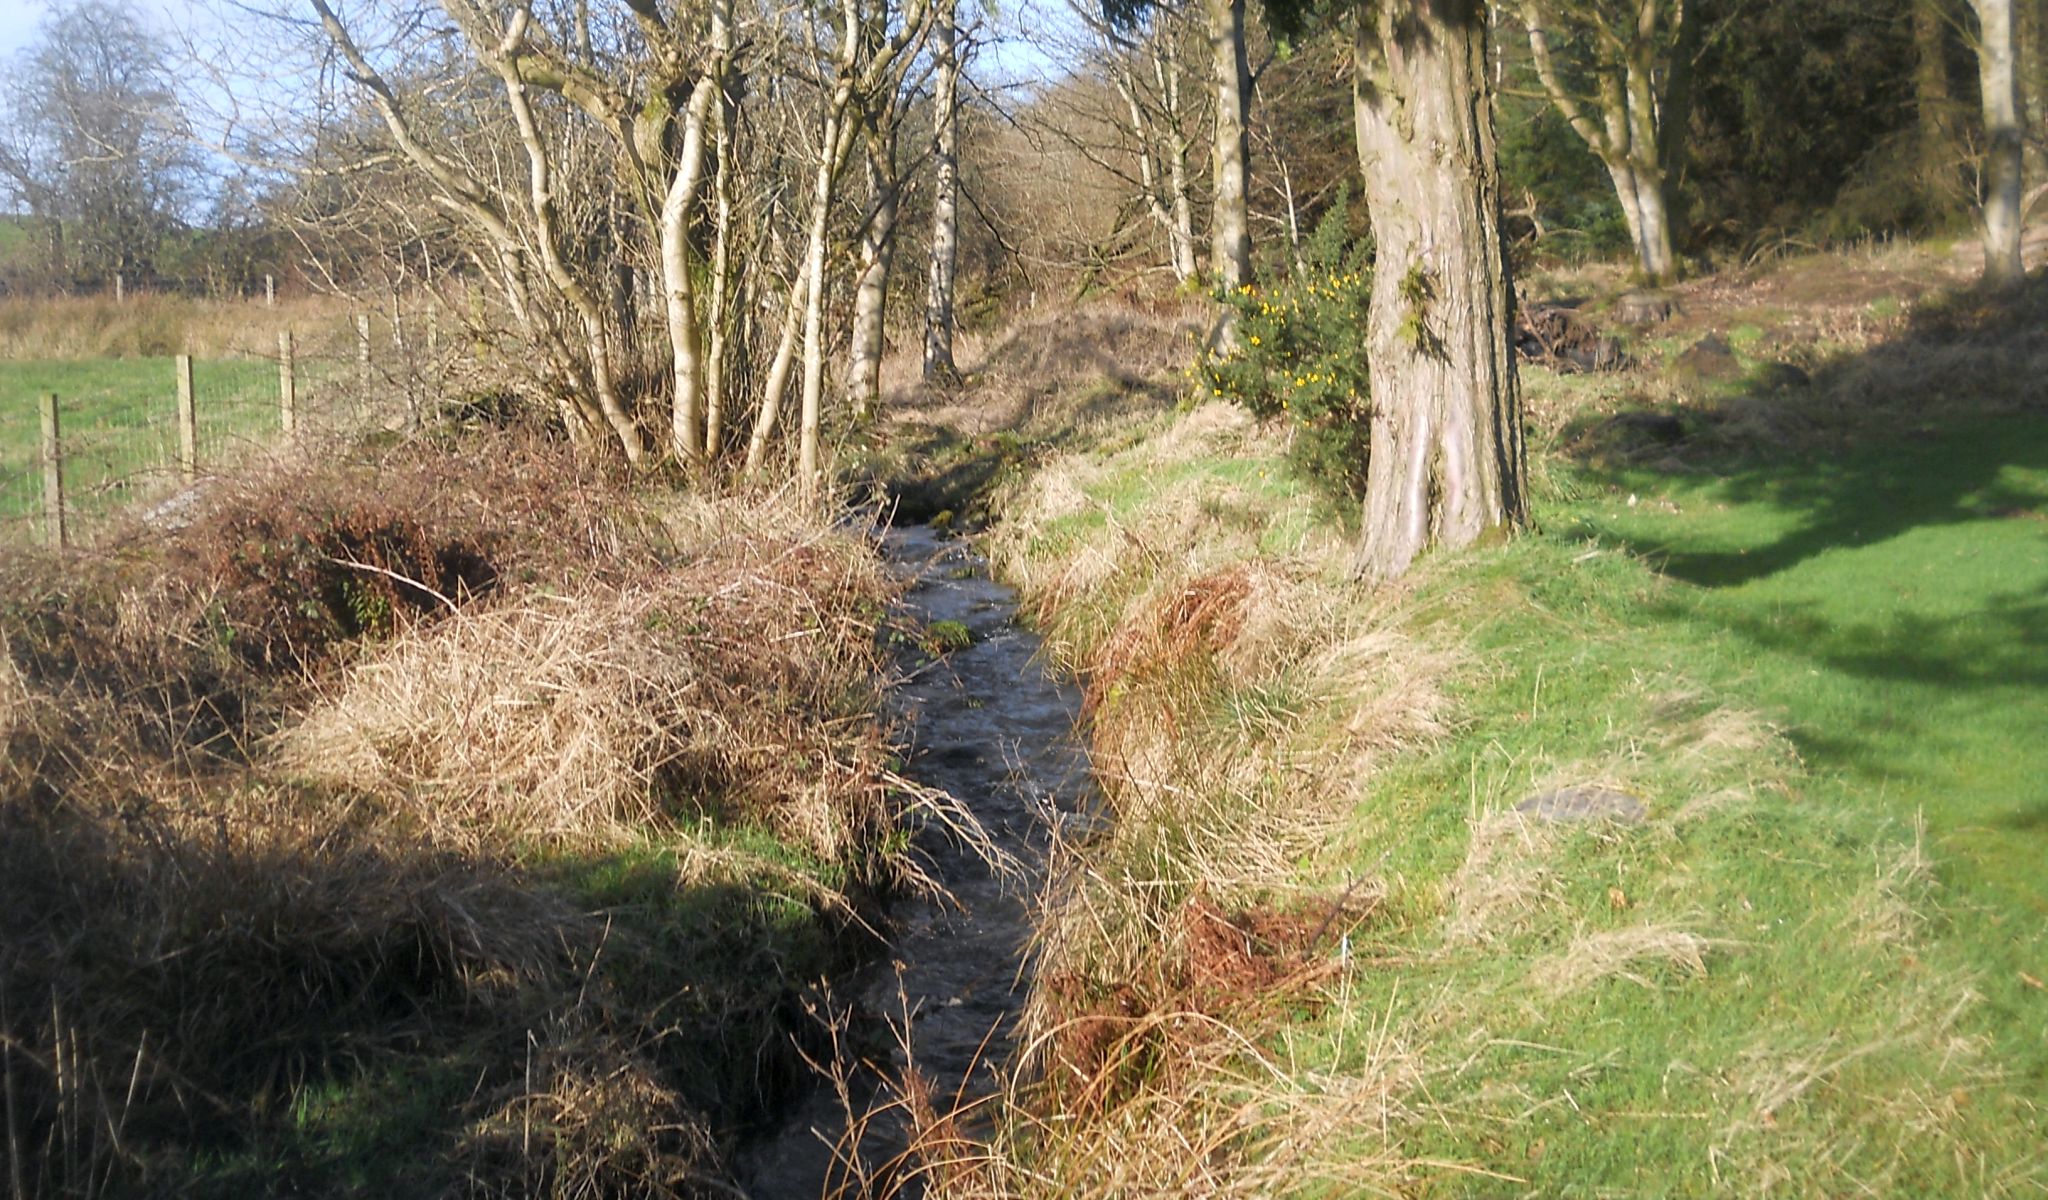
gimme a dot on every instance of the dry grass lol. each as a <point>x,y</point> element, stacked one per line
<point>232,879</point>
<point>1640,954</point>
<point>599,715</point>
<point>1223,1117</point>
<point>1508,876</point>
<point>154,326</point>
<point>1115,356</point>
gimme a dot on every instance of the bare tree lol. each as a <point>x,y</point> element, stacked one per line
<point>1635,56</point>
<point>93,140</point>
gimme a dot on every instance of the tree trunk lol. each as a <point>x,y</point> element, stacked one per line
<point>1998,71</point>
<point>1640,134</point>
<point>811,416</point>
<point>938,309</point>
<point>1230,239</point>
<point>1446,438</point>
<point>871,293</point>
<point>1935,147</point>
<point>716,356</point>
<point>685,332</point>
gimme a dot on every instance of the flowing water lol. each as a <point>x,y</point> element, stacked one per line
<point>994,728</point>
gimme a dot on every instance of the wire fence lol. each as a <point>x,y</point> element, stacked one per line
<point>82,441</point>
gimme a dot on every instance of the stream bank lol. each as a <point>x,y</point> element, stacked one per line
<point>993,727</point>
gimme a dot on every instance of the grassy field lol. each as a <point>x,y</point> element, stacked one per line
<point>1816,964</point>
<point>119,423</point>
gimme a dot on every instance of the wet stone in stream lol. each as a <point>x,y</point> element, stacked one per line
<point>992,727</point>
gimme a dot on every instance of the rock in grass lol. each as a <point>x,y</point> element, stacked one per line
<point>1585,802</point>
<point>1710,358</point>
<point>1644,308</point>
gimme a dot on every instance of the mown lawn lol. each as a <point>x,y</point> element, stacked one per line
<point>119,423</point>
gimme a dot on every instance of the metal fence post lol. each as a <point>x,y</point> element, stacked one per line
<point>188,423</point>
<point>287,385</point>
<point>53,472</point>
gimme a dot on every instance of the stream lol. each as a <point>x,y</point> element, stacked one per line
<point>994,728</point>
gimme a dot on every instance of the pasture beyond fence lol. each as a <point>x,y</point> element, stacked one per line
<point>81,439</point>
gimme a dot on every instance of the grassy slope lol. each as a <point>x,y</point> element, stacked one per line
<point>1776,981</point>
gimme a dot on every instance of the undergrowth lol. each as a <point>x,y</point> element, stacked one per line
<point>484,837</point>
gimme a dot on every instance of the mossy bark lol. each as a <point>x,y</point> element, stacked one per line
<point>1447,460</point>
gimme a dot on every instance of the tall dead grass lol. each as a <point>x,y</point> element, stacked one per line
<point>731,687</point>
<point>232,878</point>
<point>156,326</point>
<point>1239,701</point>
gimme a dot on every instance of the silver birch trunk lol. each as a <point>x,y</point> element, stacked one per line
<point>1447,460</point>
<point>685,333</point>
<point>1998,74</point>
<point>871,293</point>
<point>938,307</point>
<point>1230,239</point>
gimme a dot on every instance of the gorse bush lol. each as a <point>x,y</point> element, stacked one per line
<point>1300,355</point>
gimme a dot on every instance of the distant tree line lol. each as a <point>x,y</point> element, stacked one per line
<point>691,229</point>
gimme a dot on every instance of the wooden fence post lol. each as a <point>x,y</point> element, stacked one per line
<point>287,386</point>
<point>270,291</point>
<point>363,348</point>
<point>53,472</point>
<point>188,423</point>
<point>120,289</point>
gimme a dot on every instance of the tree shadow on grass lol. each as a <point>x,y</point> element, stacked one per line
<point>1944,640</point>
<point>1917,431</point>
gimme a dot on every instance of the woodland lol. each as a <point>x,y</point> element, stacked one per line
<point>1529,514</point>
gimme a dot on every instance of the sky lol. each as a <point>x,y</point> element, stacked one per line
<point>17,24</point>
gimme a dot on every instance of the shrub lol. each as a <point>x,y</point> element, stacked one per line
<point>1300,356</point>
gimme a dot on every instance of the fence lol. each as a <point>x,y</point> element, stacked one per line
<point>81,439</point>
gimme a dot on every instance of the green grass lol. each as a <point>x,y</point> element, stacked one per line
<point>1795,663</point>
<point>1885,610</point>
<point>119,424</point>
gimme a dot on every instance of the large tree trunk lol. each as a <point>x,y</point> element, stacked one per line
<point>871,293</point>
<point>1998,71</point>
<point>1447,456</point>
<point>1230,238</point>
<point>938,309</point>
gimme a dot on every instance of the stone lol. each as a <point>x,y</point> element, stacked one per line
<point>1585,802</point>
<point>1709,358</point>
<point>1644,308</point>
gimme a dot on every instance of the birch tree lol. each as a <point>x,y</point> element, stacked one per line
<point>945,254</point>
<point>2005,141</point>
<point>1619,71</point>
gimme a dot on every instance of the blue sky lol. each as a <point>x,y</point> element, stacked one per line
<point>17,24</point>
